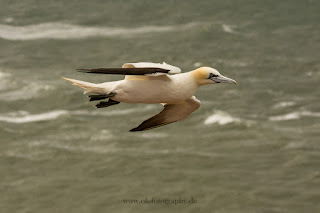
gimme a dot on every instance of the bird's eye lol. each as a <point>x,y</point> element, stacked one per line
<point>212,75</point>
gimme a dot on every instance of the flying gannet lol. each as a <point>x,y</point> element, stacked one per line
<point>153,83</point>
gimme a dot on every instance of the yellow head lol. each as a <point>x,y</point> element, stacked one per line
<point>209,75</point>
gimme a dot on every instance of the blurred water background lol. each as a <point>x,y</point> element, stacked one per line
<point>251,147</point>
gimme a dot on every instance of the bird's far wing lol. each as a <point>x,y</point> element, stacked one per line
<point>141,68</point>
<point>125,71</point>
<point>171,113</point>
<point>171,69</point>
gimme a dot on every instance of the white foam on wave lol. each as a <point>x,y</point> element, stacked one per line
<point>16,154</point>
<point>310,114</point>
<point>20,117</point>
<point>221,118</point>
<point>103,135</point>
<point>8,20</point>
<point>294,116</point>
<point>234,63</point>
<point>284,104</point>
<point>228,28</point>
<point>60,30</point>
<point>6,81</point>
<point>153,135</point>
<point>25,92</point>
<point>289,116</point>
<point>27,118</point>
<point>4,75</point>
<point>101,149</point>
<point>197,64</point>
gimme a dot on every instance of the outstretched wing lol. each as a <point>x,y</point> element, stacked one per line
<point>171,113</point>
<point>141,68</point>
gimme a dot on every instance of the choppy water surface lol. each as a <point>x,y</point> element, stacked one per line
<point>253,147</point>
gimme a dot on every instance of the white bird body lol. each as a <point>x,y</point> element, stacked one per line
<point>152,89</point>
<point>173,89</point>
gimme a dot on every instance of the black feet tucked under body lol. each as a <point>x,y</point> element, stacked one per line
<point>107,104</point>
<point>102,104</point>
<point>100,97</point>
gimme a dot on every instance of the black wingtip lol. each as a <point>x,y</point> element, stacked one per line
<point>136,129</point>
<point>83,70</point>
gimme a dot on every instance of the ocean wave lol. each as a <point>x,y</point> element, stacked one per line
<point>16,154</point>
<point>95,149</point>
<point>221,118</point>
<point>284,104</point>
<point>4,75</point>
<point>21,117</point>
<point>112,112</point>
<point>228,28</point>
<point>27,118</point>
<point>294,116</point>
<point>111,149</point>
<point>153,135</point>
<point>26,92</point>
<point>103,113</point>
<point>59,30</point>
<point>234,62</point>
<point>102,135</point>
<point>6,82</point>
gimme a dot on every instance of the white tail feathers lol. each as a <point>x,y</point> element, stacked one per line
<point>90,87</point>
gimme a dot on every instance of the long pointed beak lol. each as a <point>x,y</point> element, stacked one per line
<point>224,79</point>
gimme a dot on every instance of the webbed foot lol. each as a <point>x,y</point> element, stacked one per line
<point>107,104</point>
<point>100,97</point>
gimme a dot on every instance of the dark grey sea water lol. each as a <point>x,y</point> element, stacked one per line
<point>253,147</point>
